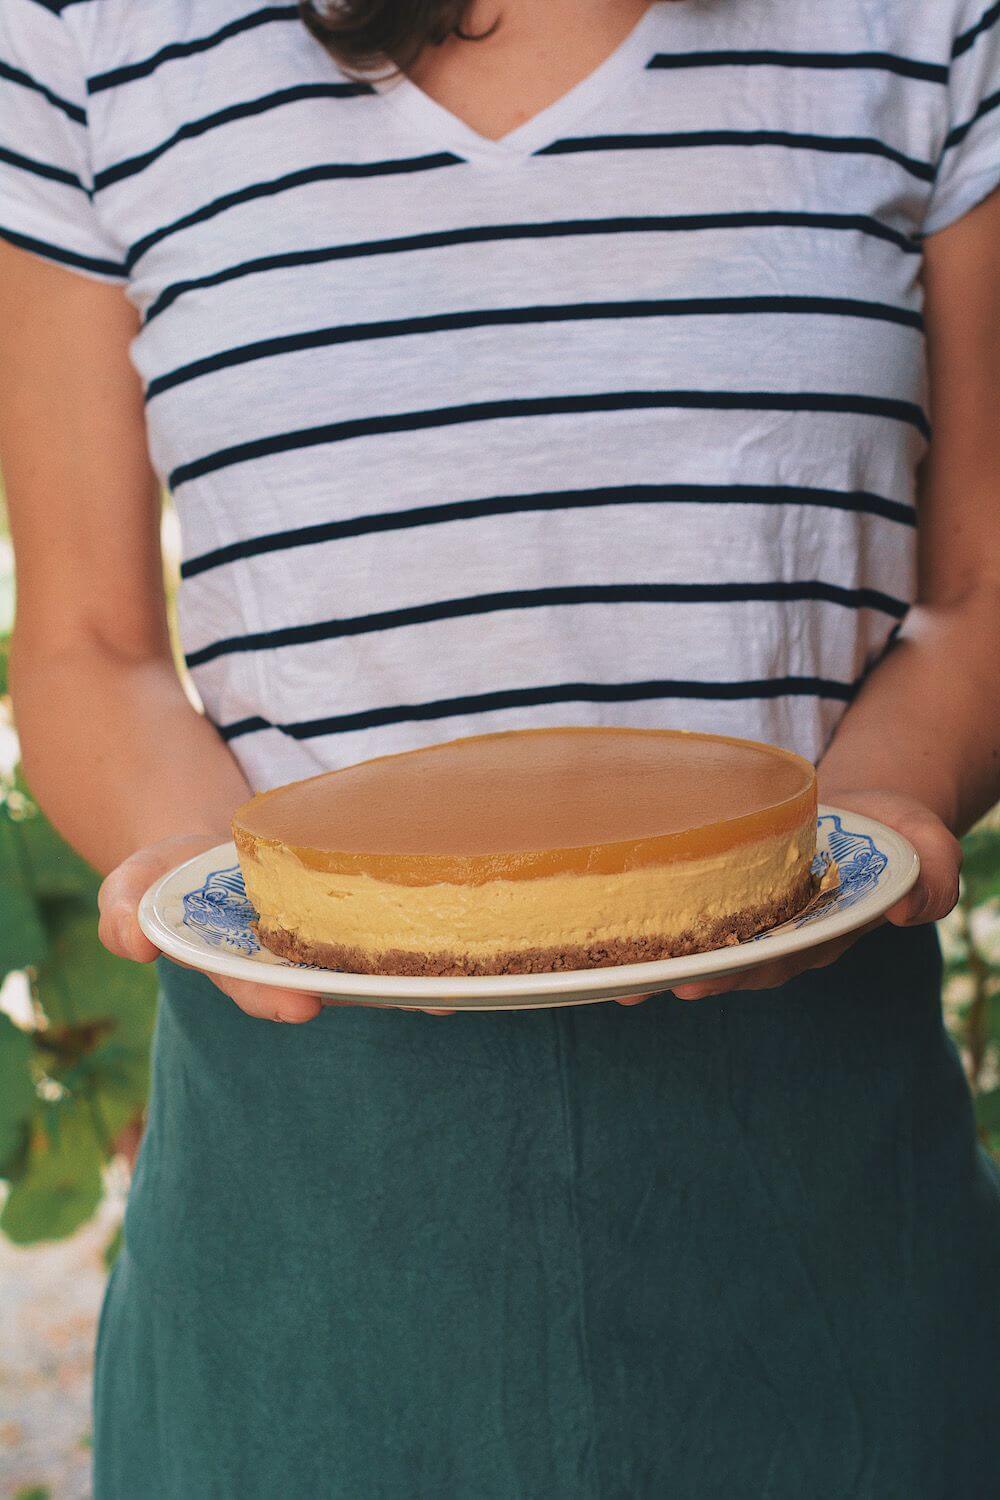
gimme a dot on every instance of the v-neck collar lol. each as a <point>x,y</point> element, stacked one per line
<point>453,134</point>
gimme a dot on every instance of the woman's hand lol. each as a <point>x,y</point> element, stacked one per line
<point>933,896</point>
<point>119,930</point>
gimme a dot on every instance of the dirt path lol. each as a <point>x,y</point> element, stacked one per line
<point>50,1297</point>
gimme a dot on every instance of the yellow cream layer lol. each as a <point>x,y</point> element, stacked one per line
<point>510,915</point>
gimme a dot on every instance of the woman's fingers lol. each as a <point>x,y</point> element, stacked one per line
<point>118,927</point>
<point>121,891</point>
<point>932,898</point>
<point>266,1003</point>
<point>119,931</point>
<point>768,976</point>
<point>936,890</point>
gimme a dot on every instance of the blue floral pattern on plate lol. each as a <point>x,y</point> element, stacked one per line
<point>860,864</point>
<point>220,913</point>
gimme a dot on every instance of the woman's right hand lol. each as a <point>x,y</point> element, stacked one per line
<point>119,930</point>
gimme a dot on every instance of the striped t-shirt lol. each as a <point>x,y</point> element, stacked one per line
<point>615,420</point>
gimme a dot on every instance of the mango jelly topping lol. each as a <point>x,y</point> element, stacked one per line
<point>521,804</point>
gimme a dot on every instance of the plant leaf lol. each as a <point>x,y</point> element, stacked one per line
<point>988,1110</point>
<point>981,865</point>
<point>113,1248</point>
<point>101,1011</point>
<point>22,936</point>
<point>61,1185</point>
<point>17,1093</point>
<point>993,1019</point>
<point>82,984</point>
<point>116,1079</point>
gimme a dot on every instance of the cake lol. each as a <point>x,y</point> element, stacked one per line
<point>528,851</point>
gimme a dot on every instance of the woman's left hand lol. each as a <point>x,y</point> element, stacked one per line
<point>933,896</point>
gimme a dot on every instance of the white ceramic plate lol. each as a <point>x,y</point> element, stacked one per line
<point>199,913</point>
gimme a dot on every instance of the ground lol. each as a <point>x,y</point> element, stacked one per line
<point>50,1297</point>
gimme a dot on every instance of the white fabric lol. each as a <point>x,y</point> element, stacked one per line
<point>721,535</point>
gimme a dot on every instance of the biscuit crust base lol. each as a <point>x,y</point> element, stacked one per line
<point>608,953</point>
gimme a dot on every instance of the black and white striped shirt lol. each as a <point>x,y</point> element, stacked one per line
<point>615,420</point>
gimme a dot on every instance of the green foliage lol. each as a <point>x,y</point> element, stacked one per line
<point>113,1248</point>
<point>22,936</point>
<point>981,866</point>
<point>77,1074</point>
<point>81,984</point>
<point>972,953</point>
<point>988,1111</point>
<point>17,1095</point>
<point>60,1187</point>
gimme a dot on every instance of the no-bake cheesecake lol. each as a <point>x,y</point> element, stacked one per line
<point>531,850</point>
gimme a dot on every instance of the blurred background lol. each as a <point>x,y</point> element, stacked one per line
<point>75,1027</point>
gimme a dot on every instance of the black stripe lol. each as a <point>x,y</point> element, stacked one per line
<point>535,697</point>
<point>549,598</point>
<point>244,726</point>
<point>322,338</point>
<point>568,228</point>
<point>956,136</point>
<point>888,62</point>
<point>57,252</point>
<point>41,169</point>
<point>15,75</point>
<point>149,65</point>
<point>544,406</point>
<point>56,6</point>
<point>66,257</point>
<point>989,18</point>
<point>857,501</point>
<point>251,107</point>
<point>237,111</point>
<point>329,172</point>
<point>852,145</point>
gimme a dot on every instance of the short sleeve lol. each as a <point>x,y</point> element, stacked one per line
<point>969,164</point>
<point>46,202</point>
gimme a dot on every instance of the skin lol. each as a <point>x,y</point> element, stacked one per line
<point>91,667</point>
<point>536,55</point>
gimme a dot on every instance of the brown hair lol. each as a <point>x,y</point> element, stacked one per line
<point>367,34</point>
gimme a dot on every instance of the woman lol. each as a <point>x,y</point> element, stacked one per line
<point>574,373</point>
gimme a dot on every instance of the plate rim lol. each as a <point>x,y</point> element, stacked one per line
<point>522,991</point>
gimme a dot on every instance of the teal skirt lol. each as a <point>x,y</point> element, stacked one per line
<point>744,1248</point>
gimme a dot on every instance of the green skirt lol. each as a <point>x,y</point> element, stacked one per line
<point>744,1248</point>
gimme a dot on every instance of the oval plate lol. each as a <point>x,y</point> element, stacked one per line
<point>199,913</point>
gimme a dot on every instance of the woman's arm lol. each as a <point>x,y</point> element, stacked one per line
<point>927,722</point>
<point>113,750</point>
<point>111,746</point>
<point>919,748</point>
